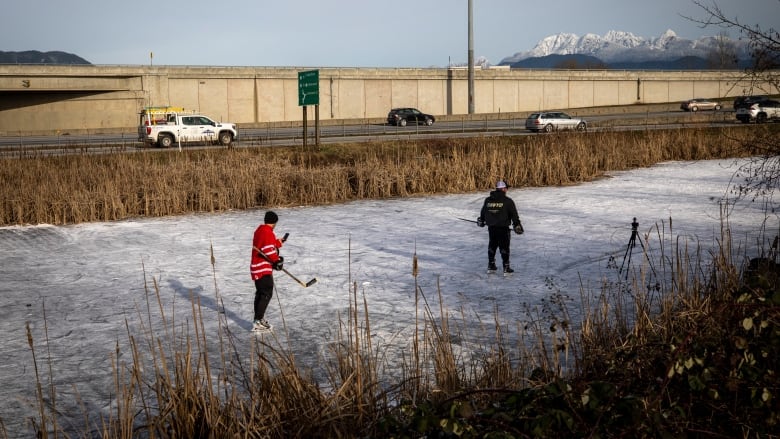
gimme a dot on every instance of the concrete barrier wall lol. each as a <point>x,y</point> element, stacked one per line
<point>60,98</point>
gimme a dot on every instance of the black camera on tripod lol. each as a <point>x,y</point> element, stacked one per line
<point>634,232</point>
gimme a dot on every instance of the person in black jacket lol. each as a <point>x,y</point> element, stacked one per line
<point>498,213</point>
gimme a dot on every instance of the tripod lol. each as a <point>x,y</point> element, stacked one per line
<point>630,247</point>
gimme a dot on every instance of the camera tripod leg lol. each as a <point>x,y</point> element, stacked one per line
<point>630,247</point>
<point>627,257</point>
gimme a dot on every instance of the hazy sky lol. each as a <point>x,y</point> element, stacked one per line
<point>337,33</point>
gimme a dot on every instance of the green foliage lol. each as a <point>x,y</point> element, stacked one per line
<point>724,376</point>
<point>554,409</point>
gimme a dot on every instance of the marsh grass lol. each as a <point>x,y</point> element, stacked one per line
<point>693,355</point>
<point>688,345</point>
<point>82,188</point>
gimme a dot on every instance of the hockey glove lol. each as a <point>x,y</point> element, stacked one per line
<point>480,222</point>
<point>279,264</point>
<point>519,229</point>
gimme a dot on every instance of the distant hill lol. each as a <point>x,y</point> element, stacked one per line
<point>36,57</point>
<point>624,50</point>
<point>682,63</point>
<point>578,61</point>
<point>574,61</point>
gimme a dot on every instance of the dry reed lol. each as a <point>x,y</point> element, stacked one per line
<point>84,188</point>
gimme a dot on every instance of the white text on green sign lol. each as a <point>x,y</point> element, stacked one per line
<point>309,87</point>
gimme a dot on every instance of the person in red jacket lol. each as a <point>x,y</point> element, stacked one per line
<point>265,259</point>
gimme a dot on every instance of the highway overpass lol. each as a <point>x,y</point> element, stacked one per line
<point>42,99</point>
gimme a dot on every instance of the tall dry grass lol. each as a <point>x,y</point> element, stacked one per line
<point>671,359</point>
<point>83,188</point>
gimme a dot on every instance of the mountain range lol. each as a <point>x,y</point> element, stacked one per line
<point>614,50</point>
<point>624,50</point>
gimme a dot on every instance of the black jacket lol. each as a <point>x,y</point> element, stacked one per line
<point>499,210</point>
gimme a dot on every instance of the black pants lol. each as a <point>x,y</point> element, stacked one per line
<point>264,290</point>
<point>499,238</point>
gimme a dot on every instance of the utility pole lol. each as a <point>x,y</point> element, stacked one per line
<point>471,57</point>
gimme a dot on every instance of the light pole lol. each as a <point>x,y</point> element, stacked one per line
<point>471,57</point>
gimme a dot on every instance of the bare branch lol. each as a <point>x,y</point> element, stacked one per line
<point>760,176</point>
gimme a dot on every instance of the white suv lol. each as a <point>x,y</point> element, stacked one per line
<point>759,112</point>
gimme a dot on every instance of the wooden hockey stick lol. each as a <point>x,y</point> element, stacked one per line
<point>300,282</point>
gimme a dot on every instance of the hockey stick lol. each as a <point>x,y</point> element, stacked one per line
<point>464,219</point>
<point>300,282</point>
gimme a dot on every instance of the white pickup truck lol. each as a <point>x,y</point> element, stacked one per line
<point>164,126</point>
<point>759,112</point>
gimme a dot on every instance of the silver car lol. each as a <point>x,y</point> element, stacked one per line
<point>697,104</point>
<point>548,121</point>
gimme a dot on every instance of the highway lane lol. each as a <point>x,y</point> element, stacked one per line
<point>21,146</point>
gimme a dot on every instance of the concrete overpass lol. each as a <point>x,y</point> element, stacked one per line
<point>66,98</point>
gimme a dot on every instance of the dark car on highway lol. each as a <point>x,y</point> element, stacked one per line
<point>748,101</point>
<point>402,116</point>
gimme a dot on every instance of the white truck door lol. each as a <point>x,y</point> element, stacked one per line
<point>197,129</point>
<point>207,129</point>
<point>188,130</point>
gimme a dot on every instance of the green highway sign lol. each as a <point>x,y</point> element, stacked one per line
<point>309,88</point>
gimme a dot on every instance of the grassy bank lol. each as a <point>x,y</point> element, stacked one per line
<point>83,188</point>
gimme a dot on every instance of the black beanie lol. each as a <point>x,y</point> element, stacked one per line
<point>271,218</point>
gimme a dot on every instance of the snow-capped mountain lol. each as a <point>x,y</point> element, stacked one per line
<point>621,46</point>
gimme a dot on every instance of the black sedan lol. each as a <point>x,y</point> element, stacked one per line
<point>402,116</point>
